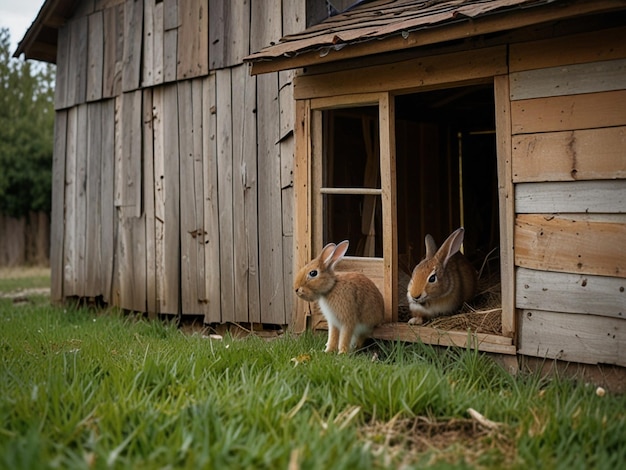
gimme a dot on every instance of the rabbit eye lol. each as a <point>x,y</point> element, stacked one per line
<point>313,273</point>
<point>432,278</point>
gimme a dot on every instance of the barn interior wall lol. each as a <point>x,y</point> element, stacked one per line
<point>172,189</point>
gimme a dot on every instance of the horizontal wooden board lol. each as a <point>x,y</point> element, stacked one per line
<point>585,154</point>
<point>572,293</point>
<point>588,339</point>
<point>602,44</point>
<point>371,267</point>
<point>428,335</point>
<point>574,79</point>
<point>571,196</point>
<point>562,113</point>
<point>550,243</point>
<point>406,75</point>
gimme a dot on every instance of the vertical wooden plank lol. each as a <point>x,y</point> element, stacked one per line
<point>148,40</point>
<point>57,218</point>
<point>69,247</point>
<point>506,202</point>
<point>265,23</point>
<point>198,182</point>
<point>191,214</point>
<point>229,30</point>
<point>63,64</point>
<point>388,183</point>
<point>170,302</point>
<point>302,204</point>
<point>270,230</point>
<point>77,73</point>
<point>225,191</point>
<point>95,57</point>
<point>157,43</point>
<point>159,193</point>
<point>148,201</point>
<point>294,16</point>
<point>109,221</point>
<point>133,32</point>
<point>113,50</point>
<point>130,169</point>
<point>170,39</point>
<point>93,220</point>
<point>211,208</point>
<point>81,200</point>
<point>245,220</point>
<point>193,58</point>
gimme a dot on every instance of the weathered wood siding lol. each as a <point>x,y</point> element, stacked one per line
<point>172,165</point>
<point>568,118</point>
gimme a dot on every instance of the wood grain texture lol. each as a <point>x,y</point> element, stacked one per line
<point>564,113</point>
<point>193,34</point>
<point>586,154</point>
<point>57,217</point>
<point>113,51</point>
<point>95,56</point>
<point>133,32</point>
<point>571,293</point>
<point>607,197</point>
<point>93,215</point>
<point>108,216</point>
<point>148,195</point>
<point>578,246</point>
<point>588,339</point>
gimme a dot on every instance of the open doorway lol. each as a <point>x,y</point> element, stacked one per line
<point>446,172</point>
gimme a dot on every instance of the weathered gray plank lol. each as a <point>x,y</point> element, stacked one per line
<point>77,72</point>
<point>108,211</point>
<point>113,51</point>
<point>130,170</point>
<point>95,56</point>
<point>93,220</point>
<point>271,262</point>
<point>131,261</point>
<point>573,79</point>
<point>244,196</point>
<point>148,40</point>
<point>81,199</point>
<point>567,196</point>
<point>57,217</point>
<point>229,29</point>
<point>225,191</point>
<point>157,43</point>
<point>159,192</point>
<point>588,339</point>
<point>63,64</point>
<point>211,208</point>
<point>149,202</point>
<point>193,33</point>
<point>570,293</point>
<point>70,255</point>
<point>170,39</point>
<point>265,23</point>
<point>133,32</point>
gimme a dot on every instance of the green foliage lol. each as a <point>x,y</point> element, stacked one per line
<point>87,389</point>
<point>26,133</point>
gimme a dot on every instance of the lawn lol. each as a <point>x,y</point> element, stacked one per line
<point>84,388</point>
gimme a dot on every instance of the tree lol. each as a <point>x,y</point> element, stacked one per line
<point>26,133</point>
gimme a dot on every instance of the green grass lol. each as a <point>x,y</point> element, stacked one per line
<point>81,388</point>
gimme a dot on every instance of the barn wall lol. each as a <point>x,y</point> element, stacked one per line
<point>173,166</point>
<point>568,117</point>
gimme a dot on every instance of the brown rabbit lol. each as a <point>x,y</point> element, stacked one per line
<point>350,301</point>
<point>442,281</point>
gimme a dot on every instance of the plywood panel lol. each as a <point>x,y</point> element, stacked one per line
<point>211,208</point>
<point>57,217</point>
<point>409,74</point>
<point>550,243</point>
<point>569,80</point>
<point>571,293</point>
<point>570,155</point>
<point>588,339</point>
<point>605,44</point>
<point>95,55</point>
<point>270,229</point>
<point>113,51</point>
<point>133,33</point>
<point>193,33</point>
<point>570,112</point>
<point>580,196</point>
<point>245,218</point>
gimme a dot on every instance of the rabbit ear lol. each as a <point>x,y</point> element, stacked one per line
<point>326,254</point>
<point>451,246</point>
<point>431,246</point>
<point>339,253</point>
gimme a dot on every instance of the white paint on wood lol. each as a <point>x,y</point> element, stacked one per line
<point>580,196</point>
<point>571,293</point>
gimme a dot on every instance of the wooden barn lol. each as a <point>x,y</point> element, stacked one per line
<point>206,149</point>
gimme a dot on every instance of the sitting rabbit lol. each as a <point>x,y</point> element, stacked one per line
<point>442,281</point>
<point>350,301</point>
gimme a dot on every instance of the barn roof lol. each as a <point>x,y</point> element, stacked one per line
<point>374,26</point>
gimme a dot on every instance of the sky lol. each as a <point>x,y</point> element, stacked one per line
<point>18,15</point>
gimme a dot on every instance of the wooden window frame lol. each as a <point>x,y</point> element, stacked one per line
<point>376,85</point>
